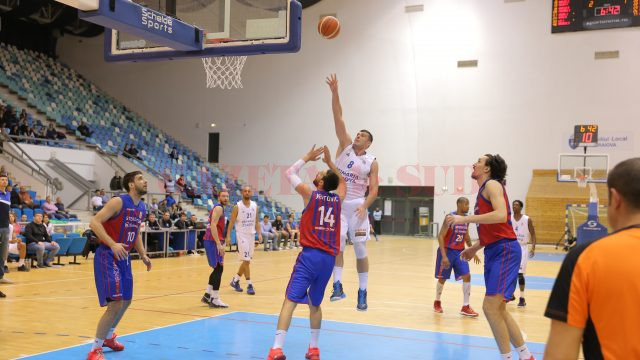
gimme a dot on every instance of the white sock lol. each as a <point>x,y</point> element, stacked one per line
<point>521,293</point>
<point>110,333</point>
<point>439,288</point>
<point>279,342</point>
<point>209,289</point>
<point>364,279</point>
<point>249,282</point>
<point>523,352</point>
<point>20,262</point>
<point>466,291</point>
<point>315,334</point>
<point>236,278</point>
<point>506,356</point>
<point>97,344</point>
<point>337,274</point>
<point>214,294</point>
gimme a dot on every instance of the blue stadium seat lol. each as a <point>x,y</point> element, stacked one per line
<point>64,243</point>
<point>77,245</point>
<point>29,214</point>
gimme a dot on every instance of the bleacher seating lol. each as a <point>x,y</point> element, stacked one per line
<point>66,97</point>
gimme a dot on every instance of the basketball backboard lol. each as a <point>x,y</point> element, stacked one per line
<point>573,167</point>
<point>230,27</point>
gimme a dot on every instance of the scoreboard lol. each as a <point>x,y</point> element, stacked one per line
<point>579,15</point>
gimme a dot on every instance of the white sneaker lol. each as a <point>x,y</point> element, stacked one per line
<point>217,303</point>
<point>5,281</point>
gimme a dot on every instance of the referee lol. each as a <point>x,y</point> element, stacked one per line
<point>594,300</point>
<point>5,234</point>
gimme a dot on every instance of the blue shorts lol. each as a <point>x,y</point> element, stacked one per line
<point>213,256</point>
<point>113,277</point>
<point>501,265</point>
<point>310,276</point>
<point>459,266</point>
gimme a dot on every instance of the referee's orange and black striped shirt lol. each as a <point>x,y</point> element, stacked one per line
<point>598,290</point>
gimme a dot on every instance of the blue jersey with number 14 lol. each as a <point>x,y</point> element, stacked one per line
<point>320,222</point>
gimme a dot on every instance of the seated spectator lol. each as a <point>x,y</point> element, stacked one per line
<point>104,196</point>
<point>190,190</point>
<point>16,246</point>
<point>10,117</point>
<point>61,210</point>
<point>182,223</point>
<point>23,128</point>
<point>293,229</point>
<point>96,201</point>
<point>166,222</point>
<point>25,198</point>
<point>180,184</point>
<point>174,154</point>
<point>169,185</point>
<point>153,239</point>
<point>283,236</point>
<point>47,224</point>
<point>16,202</point>
<point>125,151</point>
<point>24,220</point>
<point>175,213</point>
<point>52,133</point>
<point>38,240</point>
<point>83,129</point>
<point>17,227</point>
<point>14,130</point>
<point>162,206</point>
<point>170,200</point>
<point>214,192</point>
<point>116,182</point>
<point>50,209</point>
<point>153,208</point>
<point>60,135</point>
<point>268,233</point>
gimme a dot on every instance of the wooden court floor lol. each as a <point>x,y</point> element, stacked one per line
<point>47,309</point>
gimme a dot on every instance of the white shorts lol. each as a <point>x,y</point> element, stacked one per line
<point>525,259</point>
<point>246,245</point>
<point>357,228</point>
<point>13,249</point>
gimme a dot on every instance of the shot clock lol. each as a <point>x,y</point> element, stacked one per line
<point>579,15</point>
<point>585,135</point>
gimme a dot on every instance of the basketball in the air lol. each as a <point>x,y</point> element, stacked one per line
<point>329,27</point>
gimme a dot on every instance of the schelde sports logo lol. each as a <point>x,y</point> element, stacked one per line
<point>154,20</point>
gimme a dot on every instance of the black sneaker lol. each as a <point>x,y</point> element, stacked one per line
<point>206,298</point>
<point>6,269</point>
<point>2,295</point>
<point>22,267</point>
<point>522,303</point>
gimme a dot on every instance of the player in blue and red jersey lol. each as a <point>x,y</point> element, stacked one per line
<point>502,252</point>
<point>320,240</point>
<point>214,247</point>
<point>117,227</point>
<point>452,240</point>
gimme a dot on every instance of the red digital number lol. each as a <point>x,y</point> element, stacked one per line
<point>587,138</point>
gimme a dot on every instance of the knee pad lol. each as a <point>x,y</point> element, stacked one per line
<point>521,278</point>
<point>360,249</point>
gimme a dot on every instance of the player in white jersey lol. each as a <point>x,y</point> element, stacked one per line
<point>523,227</point>
<point>360,170</point>
<point>245,217</point>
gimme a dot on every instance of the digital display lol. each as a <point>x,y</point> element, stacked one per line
<point>579,15</point>
<point>585,135</point>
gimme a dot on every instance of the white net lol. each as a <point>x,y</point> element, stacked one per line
<point>224,72</point>
<point>577,215</point>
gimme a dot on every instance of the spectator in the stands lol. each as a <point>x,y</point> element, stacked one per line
<point>169,184</point>
<point>180,184</point>
<point>10,117</point>
<point>16,203</point>
<point>96,201</point>
<point>23,114</point>
<point>193,221</point>
<point>214,192</point>
<point>182,223</point>
<point>153,208</point>
<point>166,222</point>
<point>38,240</point>
<point>293,229</point>
<point>116,182</point>
<point>16,246</point>
<point>133,151</point>
<point>170,200</point>
<point>40,132</point>
<point>24,127</point>
<point>52,133</point>
<point>104,196</point>
<point>153,239</point>
<point>25,197</point>
<point>62,210</point>
<point>47,223</point>
<point>174,154</point>
<point>84,130</point>
<point>268,233</point>
<point>190,190</point>
<point>283,236</point>
<point>51,209</point>
<point>125,151</point>
<point>162,207</point>
<point>24,219</point>
<point>175,212</point>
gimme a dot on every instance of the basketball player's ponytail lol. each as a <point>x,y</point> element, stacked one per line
<point>498,167</point>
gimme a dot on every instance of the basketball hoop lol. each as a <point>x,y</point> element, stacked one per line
<point>224,72</point>
<point>582,181</point>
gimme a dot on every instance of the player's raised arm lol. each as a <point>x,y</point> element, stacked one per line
<point>341,190</point>
<point>340,126</point>
<point>112,208</point>
<point>292,172</point>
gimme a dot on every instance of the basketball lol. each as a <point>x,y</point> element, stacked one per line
<point>329,27</point>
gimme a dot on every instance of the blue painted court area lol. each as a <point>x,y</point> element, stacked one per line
<point>242,335</point>
<point>532,282</point>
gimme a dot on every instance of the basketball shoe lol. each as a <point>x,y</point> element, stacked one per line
<point>437,307</point>
<point>276,354</point>
<point>313,354</point>
<point>113,344</point>
<point>337,294</point>
<point>468,311</point>
<point>96,354</point>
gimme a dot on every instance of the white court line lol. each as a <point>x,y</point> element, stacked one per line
<point>133,333</point>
